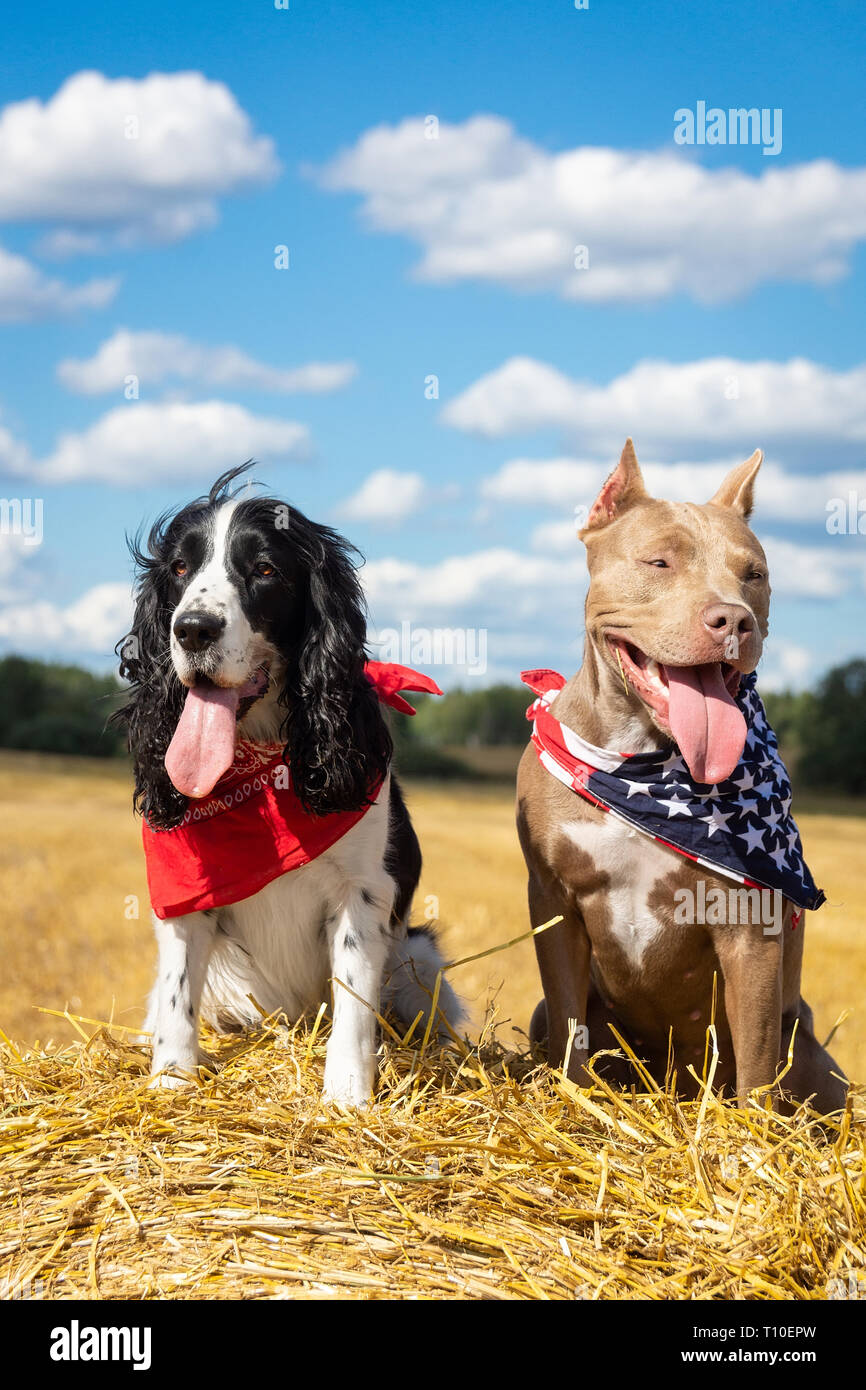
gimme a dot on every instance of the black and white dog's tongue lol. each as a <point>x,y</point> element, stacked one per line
<point>203,746</point>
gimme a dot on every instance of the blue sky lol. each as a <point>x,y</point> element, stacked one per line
<point>721,308</point>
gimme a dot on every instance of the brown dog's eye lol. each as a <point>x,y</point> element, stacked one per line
<point>755,576</point>
<point>660,564</point>
<point>265,570</point>
<point>179,568</point>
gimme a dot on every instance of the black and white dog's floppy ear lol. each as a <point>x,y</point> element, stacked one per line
<point>338,744</point>
<point>155,695</point>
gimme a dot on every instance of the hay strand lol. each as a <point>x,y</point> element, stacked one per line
<point>477,1174</point>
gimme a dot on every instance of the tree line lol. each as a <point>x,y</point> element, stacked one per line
<point>55,708</point>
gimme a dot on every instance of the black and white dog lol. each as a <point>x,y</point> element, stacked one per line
<point>242,599</point>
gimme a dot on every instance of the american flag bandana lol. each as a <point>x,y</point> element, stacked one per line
<point>741,828</point>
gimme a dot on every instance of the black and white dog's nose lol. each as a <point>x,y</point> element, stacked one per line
<point>196,631</point>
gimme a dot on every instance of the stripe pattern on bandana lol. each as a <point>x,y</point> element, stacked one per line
<point>741,828</point>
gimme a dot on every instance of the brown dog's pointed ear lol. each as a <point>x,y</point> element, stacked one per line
<point>737,490</point>
<point>623,488</point>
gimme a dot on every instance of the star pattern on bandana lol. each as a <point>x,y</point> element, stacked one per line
<point>717,820</point>
<point>753,839</point>
<point>672,764</point>
<point>742,825</point>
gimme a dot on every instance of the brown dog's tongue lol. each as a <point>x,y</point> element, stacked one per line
<point>707,725</point>
<point>203,747</point>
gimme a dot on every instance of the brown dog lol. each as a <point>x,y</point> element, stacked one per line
<point>676,615</point>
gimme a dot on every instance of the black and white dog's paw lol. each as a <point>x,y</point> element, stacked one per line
<point>349,1080</point>
<point>175,1071</point>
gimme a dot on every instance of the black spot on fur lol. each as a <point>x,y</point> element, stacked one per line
<point>402,854</point>
<point>232,939</point>
<point>174,1001</point>
<point>159,1042</point>
<point>349,942</point>
<point>190,1012</point>
<point>182,980</point>
<point>427,931</point>
<point>349,981</point>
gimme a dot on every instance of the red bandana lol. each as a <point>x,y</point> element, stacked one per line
<point>252,827</point>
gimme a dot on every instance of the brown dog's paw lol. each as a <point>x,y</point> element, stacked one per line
<point>538,1027</point>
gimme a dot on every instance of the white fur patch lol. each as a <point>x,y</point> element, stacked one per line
<point>239,649</point>
<point>410,983</point>
<point>635,865</point>
<point>321,932</point>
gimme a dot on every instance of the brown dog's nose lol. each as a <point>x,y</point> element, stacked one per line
<point>725,621</point>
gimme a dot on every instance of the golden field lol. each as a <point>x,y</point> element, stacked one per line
<point>72,875</point>
<point>476,1175</point>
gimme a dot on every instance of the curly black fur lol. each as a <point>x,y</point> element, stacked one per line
<point>337,744</point>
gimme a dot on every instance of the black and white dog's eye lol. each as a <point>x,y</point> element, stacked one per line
<point>179,568</point>
<point>266,570</point>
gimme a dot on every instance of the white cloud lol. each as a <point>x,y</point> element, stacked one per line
<point>520,396</point>
<point>786,666</point>
<point>669,406</point>
<point>484,204</point>
<point>14,454</point>
<point>92,624</point>
<point>812,571</point>
<point>386,496</point>
<point>567,483</point>
<point>165,441</point>
<point>555,537</point>
<point>63,243</point>
<point>557,482</point>
<point>152,357</point>
<point>15,550</point>
<point>479,587</point>
<point>27,294</point>
<point>135,158</point>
